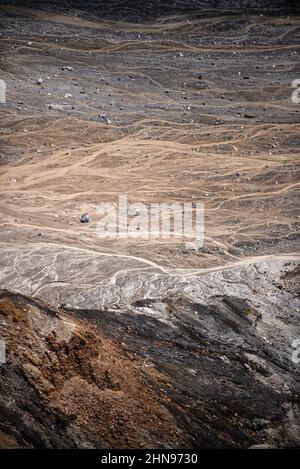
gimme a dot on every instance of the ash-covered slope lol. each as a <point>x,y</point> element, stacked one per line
<point>143,10</point>
<point>213,371</point>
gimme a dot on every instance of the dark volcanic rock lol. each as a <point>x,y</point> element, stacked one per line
<point>159,373</point>
<point>65,385</point>
<point>231,386</point>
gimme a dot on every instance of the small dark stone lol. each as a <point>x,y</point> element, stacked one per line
<point>85,218</point>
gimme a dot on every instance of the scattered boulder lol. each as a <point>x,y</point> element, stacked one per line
<point>85,218</point>
<point>133,212</point>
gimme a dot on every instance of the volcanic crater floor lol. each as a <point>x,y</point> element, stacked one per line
<point>149,342</point>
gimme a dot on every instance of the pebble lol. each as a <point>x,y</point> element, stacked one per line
<point>85,218</point>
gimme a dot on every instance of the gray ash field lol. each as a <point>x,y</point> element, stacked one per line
<point>149,342</point>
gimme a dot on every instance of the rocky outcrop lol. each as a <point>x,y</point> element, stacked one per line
<point>208,364</point>
<point>65,385</point>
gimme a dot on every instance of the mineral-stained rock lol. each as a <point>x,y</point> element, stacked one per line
<point>210,359</point>
<point>66,385</point>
